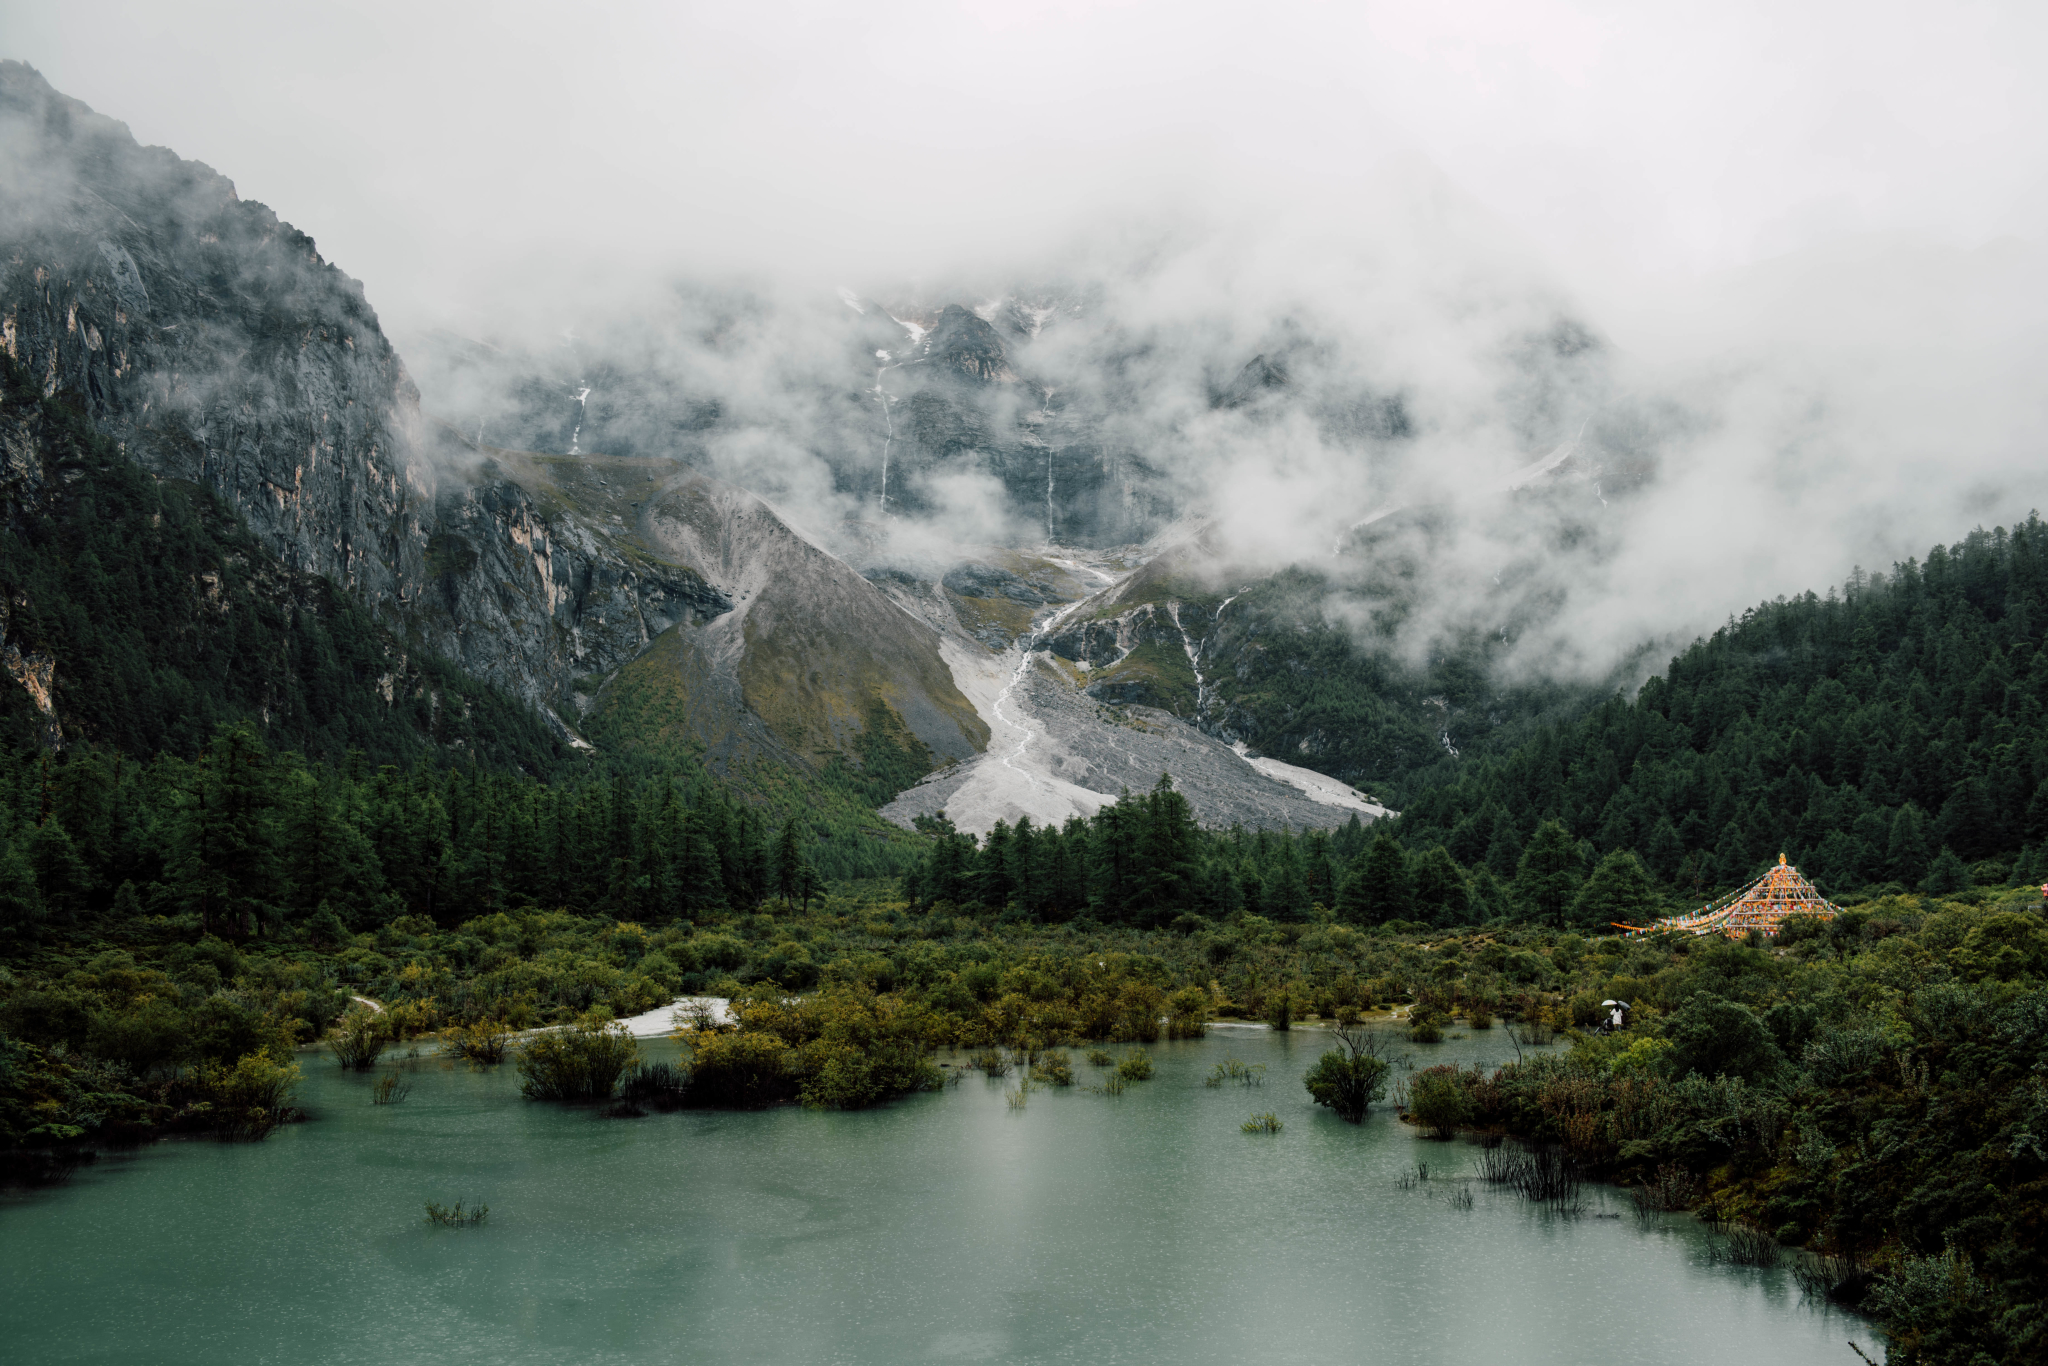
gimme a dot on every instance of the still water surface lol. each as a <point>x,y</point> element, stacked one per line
<point>1142,1228</point>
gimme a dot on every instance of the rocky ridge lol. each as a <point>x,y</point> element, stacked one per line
<point>217,346</point>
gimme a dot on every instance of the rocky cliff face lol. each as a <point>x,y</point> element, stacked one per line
<point>528,585</point>
<point>209,338</point>
<point>216,345</point>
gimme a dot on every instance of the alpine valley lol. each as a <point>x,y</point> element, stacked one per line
<point>809,682</point>
<point>579,535</point>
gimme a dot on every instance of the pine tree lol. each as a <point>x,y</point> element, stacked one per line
<point>1166,853</point>
<point>1946,875</point>
<point>1113,875</point>
<point>1906,849</point>
<point>1286,888</point>
<point>1441,894</point>
<point>1548,876</point>
<point>1665,850</point>
<point>788,867</point>
<point>21,902</point>
<point>993,871</point>
<point>1380,887</point>
<point>225,858</point>
<point>699,886</point>
<point>1618,892</point>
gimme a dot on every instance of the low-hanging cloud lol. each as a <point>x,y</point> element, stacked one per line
<point>1774,278</point>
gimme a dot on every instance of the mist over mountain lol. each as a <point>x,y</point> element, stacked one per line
<point>1328,449</point>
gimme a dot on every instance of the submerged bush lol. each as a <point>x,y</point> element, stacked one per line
<point>1268,1123</point>
<point>1538,1173</point>
<point>247,1100</point>
<point>740,1071</point>
<point>580,1063</point>
<point>1746,1245</point>
<point>1671,1191</point>
<point>1347,1079</point>
<point>1055,1068</point>
<point>1230,1069</point>
<point>483,1042</point>
<point>1438,1100</point>
<point>1187,1014</point>
<point>1840,1278</point>
<point>1280,1012</point>
<point>656,1085</point>
<point>1136,1066</point>
<point>455,1215</point>
<point>840,1049</point>
<point>359,1037</point>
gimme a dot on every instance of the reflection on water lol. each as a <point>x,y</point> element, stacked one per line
<point>1144,1227</point>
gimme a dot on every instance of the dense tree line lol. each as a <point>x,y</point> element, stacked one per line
<point>1890,732</point>
<point>1140,860</point>
<point>242,841</point>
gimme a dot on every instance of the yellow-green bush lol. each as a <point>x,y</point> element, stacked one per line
<point>582,1062</point>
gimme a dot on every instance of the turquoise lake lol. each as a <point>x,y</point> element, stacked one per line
<point>949,1227</point>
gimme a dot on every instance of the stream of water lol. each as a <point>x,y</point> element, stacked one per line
<point>1082,1227</point>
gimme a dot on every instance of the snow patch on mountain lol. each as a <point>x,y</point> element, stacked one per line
<point>1318,787</point>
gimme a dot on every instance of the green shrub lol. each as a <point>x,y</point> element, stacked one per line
<point>842,1048</point>
<point>1230,1069</point>
<point>359,1037</point>
<point>740,1071</point>
<point>579,1063</point>
<point>1187,1014</point>
<point>1438,1100</point>
<point>249,1099</point>
<point>455,1215</point>
<point>482,1042</point>
<point>147,1033</point>
<point>656,1085</point>
<point>1349,1079</point>
<point>1135,1066</point>
<point>1280,1012</point>
<point>1426,1025</point>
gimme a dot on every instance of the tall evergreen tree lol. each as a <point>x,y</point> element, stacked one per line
<point>1380,887</point>
<point>1441,894</point>
<point>1548,877</point>
<point>1618,892</point>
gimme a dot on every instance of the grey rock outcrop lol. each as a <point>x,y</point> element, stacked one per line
<point>534,599</point>
<point>209,338</point>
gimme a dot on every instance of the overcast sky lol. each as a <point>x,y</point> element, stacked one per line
<point>430,146</point>
<point>1819,226</point>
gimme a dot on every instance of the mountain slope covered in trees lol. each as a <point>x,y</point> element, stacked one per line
<point>1889,732</point>
<point>140,614</point>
